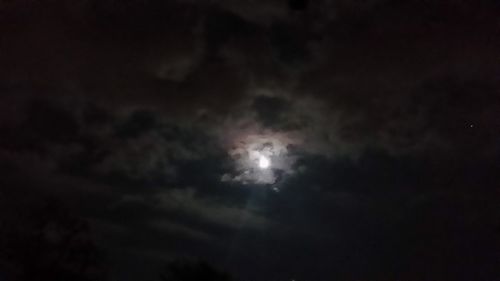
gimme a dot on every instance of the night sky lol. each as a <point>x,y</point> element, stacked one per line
<point>322,140</point>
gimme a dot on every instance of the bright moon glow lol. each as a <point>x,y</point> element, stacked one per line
<point>264,162</point>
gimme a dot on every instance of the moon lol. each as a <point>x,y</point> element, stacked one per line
<point>264,162</point>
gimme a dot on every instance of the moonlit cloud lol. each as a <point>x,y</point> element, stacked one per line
<point>250,150</point>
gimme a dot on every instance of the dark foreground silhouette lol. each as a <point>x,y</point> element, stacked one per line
<point>185,270</point>
<point>42,241</point>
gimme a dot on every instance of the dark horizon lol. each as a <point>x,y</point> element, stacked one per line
<point>250,140</point>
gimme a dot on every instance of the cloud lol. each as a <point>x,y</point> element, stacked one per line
<point>270,110</point>
<point>341,97</point>
<point>180,229</point>
<point>212,210</point>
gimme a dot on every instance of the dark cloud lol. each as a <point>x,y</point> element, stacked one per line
<point>289,44</point>
<point>298,4</point>
<point>270,110</point>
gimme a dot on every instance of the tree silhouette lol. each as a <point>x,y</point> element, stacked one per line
<point>45,242</point>
<point>185,270</point>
